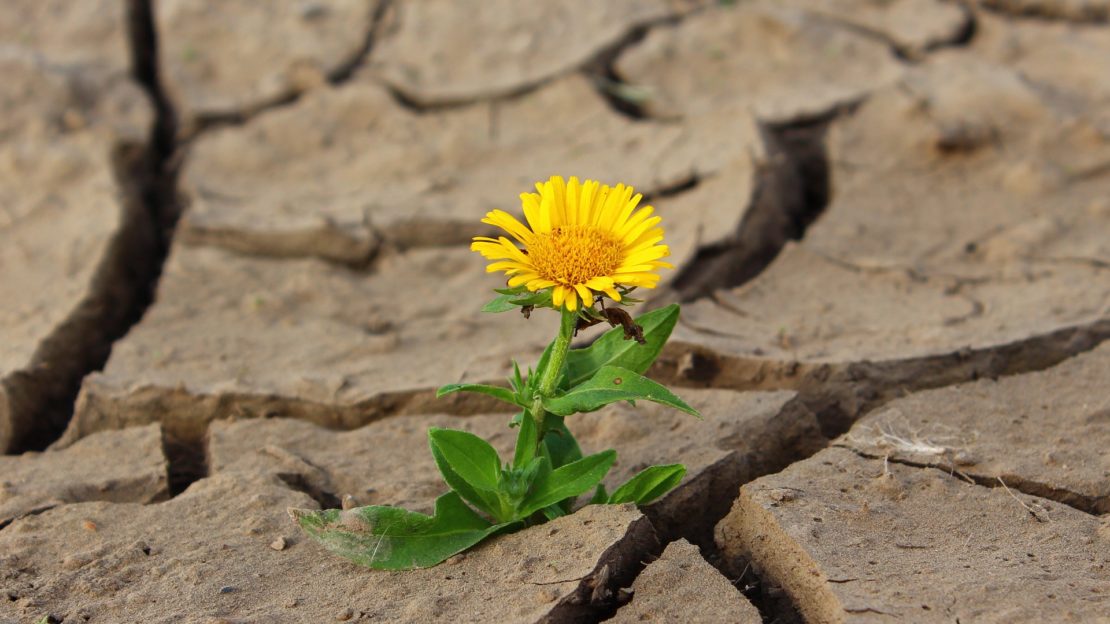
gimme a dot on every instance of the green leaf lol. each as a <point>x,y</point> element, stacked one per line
<point>567,482</point>
<point>500,303</point>
<point>390,538</point>
<point>526,440</point>
<point>540,298</point>
<point>541,366</point>
<point>471,457</point>
<point>554,511</point>
<point>510,298</point>
<point>600,496</point>
<point>516,381</point>
<point>496,392</point>
<point>609,385</point>
<point>562,448</point>
<point>649,484</point>
<point>469,465</point>
<point>611,349</point>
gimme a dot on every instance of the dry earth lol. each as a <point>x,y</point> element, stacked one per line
<point>234,268</point>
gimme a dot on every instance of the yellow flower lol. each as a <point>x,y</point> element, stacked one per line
<point>581,239</point>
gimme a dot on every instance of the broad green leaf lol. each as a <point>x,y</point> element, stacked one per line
<point>469,465</point>
<point>500,303</point>
<point>648,485</point>
<point>496,392</point>
<point>609,385</point>
<point>470,456</point>
<point>562,448</point>
<point>611,349</point>
<point>389,538</point>
<point>526,440</point>
<point>600,496</point>
<point>567,482</point>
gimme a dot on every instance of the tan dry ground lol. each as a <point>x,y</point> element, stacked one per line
<point>891,226</point>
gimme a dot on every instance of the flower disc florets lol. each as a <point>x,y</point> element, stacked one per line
<point>581,239</point>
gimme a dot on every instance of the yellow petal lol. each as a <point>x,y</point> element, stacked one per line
<point>509,223</point>
<point>585,207</point>
<point>491,251</point>
<point>599,204</point>
<point>626,210</point>
<point>574,194</point>
<point>647,239</point>
<point>547,201</point>
<point>539,283</point>
<point>512,251</point>
<point>625,269</point>
<point>635,232</point>
<point>523,278</point>
<point>559,203</point>
<point>613,206</point>
<point>557,295</point>
<point>587,296</point>
<point>531,204</point>
<point>600,283</point>
<point>645,280</point>
<point>506,265</point>
<point>647,255</point>
<point>572,300</point>
<point>635,220</point>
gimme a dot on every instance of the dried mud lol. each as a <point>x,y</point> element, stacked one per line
<point>889,224</point>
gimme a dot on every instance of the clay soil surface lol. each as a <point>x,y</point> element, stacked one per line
<point>234,266</point>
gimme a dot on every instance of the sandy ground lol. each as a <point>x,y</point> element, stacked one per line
<point>234,268</point>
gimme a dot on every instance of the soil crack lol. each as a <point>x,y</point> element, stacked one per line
<point>793,190</point>
<point>1086,504</point>
<point>336,77</point>
<point>123,284</point>
<point>905,52</point>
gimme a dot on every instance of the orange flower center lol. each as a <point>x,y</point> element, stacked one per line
<point>575,254</point>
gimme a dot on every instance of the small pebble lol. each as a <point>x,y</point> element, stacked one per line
<point>292,602</point>
<point>227,589</point>
<point>278,544</point>
<point>345,614</point>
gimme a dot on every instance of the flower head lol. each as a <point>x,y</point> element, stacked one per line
<point>581,239</point>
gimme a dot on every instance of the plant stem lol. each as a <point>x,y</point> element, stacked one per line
<point>554,366</point>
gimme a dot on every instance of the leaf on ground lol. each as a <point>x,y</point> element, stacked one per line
<point>390,538</point>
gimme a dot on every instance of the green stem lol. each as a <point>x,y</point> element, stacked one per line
<point>554,366</point>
